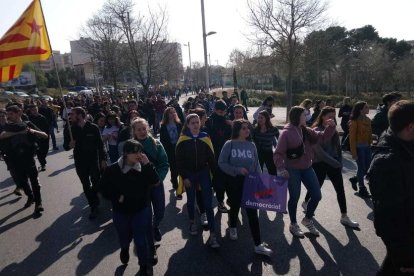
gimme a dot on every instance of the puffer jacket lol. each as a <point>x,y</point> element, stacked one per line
<point>391,181</point>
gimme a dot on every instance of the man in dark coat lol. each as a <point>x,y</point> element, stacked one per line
<point>89,154</point>
<point>391,180</point>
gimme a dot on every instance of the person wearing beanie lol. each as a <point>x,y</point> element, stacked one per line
<point>131,203</point>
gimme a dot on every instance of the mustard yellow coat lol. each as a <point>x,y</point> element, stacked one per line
<point>360,132</point>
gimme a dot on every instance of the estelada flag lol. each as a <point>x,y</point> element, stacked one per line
<point>25,42</point>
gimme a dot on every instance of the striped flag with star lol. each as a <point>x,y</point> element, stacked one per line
<point>25,42</point>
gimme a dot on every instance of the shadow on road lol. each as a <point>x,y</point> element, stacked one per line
<point>350,259</point>
<point>7,182</point>
<point>61,237</point>
<point>180,218</point>
<point>68,167</point>
<point>12,201</point>
<point>9,194</point>
<point>15,223</point>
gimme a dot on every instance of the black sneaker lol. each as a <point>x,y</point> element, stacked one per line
<point>42,168</point>
<point>94,213</point>
<point>155,259</point>
<point>156,233</point>
<point>222,208</point>
<point>55,148</point>
<point>124,255</point>
<point>354,182</point>
<point>145,270</point>
<point>39,208</point>
<point>17,192</point>
<point>363,193</point>
<point>29,202</point>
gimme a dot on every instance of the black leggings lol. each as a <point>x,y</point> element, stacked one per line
<point>322,170</point>
<point>234,188</point>
<point>266,157</point>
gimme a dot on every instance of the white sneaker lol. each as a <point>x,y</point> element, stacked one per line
<point>193,229</point>
<point>263,249</point>
<point>305,206</point>
<point>212,241</point>
<point>348,222</point>
<point>203,219</point>
<point>296,231</point>
<point>233,233</point>
<point>308,223</point>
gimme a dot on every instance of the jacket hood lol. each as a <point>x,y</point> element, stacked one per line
<point>389,141</point>
<point>290,126</point>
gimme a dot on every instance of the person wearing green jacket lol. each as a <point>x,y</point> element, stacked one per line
<point>157,155</point>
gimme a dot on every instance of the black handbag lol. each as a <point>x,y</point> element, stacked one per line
<point>295,153</point>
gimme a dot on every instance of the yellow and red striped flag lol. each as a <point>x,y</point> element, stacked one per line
<point>25,42</point>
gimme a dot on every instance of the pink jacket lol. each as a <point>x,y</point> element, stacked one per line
<point>291,137</point>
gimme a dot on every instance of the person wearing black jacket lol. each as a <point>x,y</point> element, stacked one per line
<point>391,180</point>
<point>219,130</point>
<point>50,116</point>
<point>19,148</point>
<point>89,154</point>
<point>128,184</point>
<point>42,145</point>
<point>345,113</point>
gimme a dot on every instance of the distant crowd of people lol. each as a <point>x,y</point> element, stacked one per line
<point>124,150</point>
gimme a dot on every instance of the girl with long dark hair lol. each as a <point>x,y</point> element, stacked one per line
<point>293,159</point>
<point>266,105</point>
<point>360,139</point>
<point>237,159</point>
<point>169,133</point>
<point>328,162</point>
<point>265,137</point>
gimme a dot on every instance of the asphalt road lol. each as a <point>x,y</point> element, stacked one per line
<point>64,242</point>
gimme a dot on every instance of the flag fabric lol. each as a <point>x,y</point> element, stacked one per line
<point>10,72</point>
<point>25,42</point>
<point>202,136</point>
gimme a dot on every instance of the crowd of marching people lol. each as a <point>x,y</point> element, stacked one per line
<point>124,150</point>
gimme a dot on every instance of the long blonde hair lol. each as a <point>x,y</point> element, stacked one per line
<point>145,123</point>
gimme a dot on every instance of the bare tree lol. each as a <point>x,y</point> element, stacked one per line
<point>105,45</point>
<point>280,25</point>
<point>149,51</point>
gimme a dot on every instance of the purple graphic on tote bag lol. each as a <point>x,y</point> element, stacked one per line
<point>265,192</point>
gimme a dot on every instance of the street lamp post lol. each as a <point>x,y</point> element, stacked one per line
<point>189,57</point>
<point>205,44</point>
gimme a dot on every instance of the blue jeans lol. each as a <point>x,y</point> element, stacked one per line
<point>138,227</point>
<point>364,156</point>
<point>158,204</point>
<point>52,135</point>
<point>201,178</point>
<point>309,179</point>
<point>113,153</point>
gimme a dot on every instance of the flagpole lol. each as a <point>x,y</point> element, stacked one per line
<point>57,74</point>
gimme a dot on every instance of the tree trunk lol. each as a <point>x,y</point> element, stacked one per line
<point>289,93</point>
